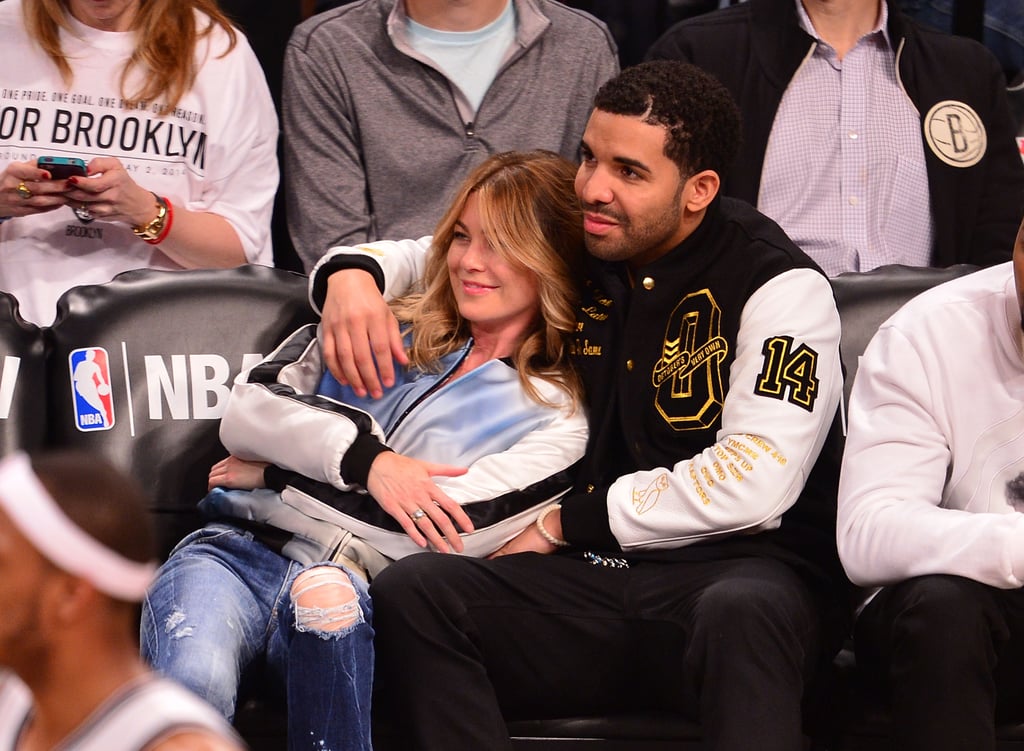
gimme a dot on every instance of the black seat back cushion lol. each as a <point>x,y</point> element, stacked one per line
<point>142,366</point>
<point>867,299</point>
<point>23,403</point>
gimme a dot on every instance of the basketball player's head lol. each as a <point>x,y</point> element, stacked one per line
<point>75,537</point>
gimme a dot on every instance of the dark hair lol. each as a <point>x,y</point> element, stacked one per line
<point>701,117</point>
<point>104,502</point>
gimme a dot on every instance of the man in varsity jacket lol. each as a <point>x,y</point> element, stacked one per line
<point>694,566</point>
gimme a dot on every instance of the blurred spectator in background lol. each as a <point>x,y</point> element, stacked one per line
<point>168,106</point>
<point>870,139</point>
<point>388,104</point>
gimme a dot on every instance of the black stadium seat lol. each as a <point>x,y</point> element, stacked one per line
<point>23,404</point>
<point>168,345</point>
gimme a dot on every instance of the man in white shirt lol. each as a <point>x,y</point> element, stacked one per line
<point>930,510</point>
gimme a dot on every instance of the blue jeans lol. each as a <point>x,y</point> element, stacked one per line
<point>223,599</point>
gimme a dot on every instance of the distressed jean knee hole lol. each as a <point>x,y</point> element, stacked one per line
<point>326,603</point>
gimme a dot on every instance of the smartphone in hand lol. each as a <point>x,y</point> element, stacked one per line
<point>62,167</point>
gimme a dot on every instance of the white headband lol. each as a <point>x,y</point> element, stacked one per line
<point>38,517</point>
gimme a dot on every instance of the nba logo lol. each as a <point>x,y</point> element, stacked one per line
<point>90,389</point>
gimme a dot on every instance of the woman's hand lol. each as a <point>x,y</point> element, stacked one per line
<point>403,487</point>
<point>111,194</point>
<point>39,195</point>
<point>237,473</point>
<point>197,239</point>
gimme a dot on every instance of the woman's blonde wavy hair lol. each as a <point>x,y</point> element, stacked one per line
<point>165,52</point>
<point>532,218</point>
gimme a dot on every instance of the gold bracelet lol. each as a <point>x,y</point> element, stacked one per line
<point>543,530</point>
<point>152,230</point>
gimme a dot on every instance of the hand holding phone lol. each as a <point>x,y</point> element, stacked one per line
<point>62,167</point>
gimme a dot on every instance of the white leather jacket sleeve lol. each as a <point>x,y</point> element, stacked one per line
<point>264,421</point>
<point>401,262</point>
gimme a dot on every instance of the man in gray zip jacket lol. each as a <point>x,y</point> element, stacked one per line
<point>389,103</point>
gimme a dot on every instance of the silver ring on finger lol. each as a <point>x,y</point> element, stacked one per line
<point>83,213</point>
<point>417,514</point>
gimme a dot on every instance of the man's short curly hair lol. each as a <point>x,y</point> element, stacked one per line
<point>701,117</point>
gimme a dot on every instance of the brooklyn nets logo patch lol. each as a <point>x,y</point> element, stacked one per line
<point>955,134</point>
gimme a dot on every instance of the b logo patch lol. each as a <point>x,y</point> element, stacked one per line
<point>955,134</point>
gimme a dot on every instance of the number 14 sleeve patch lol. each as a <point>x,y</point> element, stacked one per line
<point>789,372</point>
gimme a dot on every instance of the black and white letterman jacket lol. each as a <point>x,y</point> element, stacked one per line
<point>713,380</point>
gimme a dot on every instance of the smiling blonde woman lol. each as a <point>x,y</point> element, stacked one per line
<point>477,436</point>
